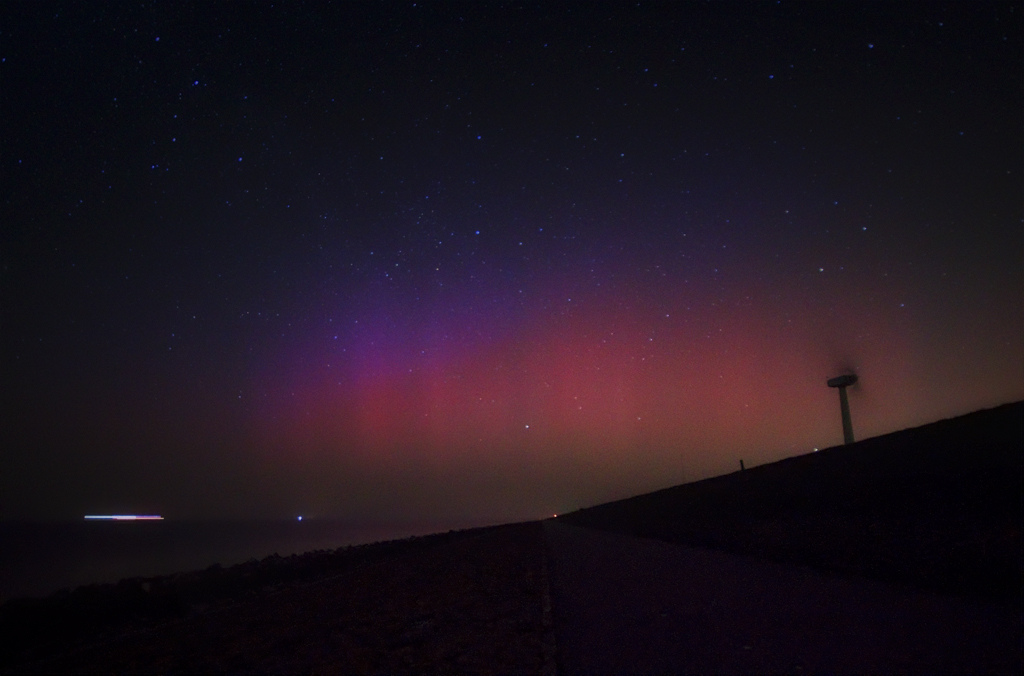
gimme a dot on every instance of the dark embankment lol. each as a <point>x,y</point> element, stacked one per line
<point>374,596</point>
<point>938,506</point>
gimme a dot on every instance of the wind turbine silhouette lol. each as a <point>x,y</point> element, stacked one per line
<point>842,382</point>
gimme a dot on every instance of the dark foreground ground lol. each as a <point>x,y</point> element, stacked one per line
<point>467,602</point>
<point>538,598</point>
<point>900,554</point>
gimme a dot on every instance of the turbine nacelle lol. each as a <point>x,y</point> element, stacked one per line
<point>842,381</point>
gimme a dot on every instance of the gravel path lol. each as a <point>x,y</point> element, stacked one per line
<point>623,604</point>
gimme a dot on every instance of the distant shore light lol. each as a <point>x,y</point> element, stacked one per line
<point>125,517</point>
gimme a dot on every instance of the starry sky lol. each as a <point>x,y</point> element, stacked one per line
<point>493,260</point>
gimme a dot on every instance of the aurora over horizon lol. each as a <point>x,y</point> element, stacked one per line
<point>485,262</point>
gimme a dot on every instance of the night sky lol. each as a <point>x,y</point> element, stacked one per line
<point>490,261</point>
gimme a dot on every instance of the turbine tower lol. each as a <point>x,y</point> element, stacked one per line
<point>842,382</point>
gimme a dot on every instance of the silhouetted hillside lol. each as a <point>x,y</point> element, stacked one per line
<point>937,505</point>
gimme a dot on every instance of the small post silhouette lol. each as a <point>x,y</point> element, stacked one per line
<point>842,382</point>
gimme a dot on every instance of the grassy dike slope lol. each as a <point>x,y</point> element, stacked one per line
<point>937,506</point>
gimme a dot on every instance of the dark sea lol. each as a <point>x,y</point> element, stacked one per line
<point>37,559</point>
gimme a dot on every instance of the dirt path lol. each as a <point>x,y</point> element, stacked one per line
<point>623,604</point>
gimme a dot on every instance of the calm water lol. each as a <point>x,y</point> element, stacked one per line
<point>37,559</point>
